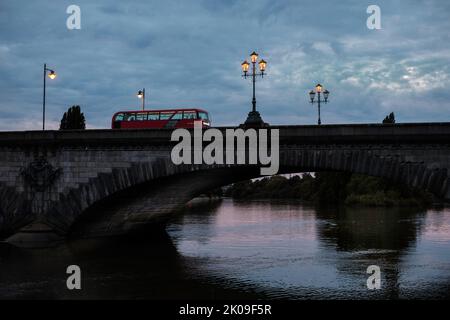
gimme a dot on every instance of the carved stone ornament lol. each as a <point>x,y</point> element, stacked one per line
<point>40,174</point>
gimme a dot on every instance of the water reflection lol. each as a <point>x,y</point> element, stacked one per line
<point>109,269</point>
<point>257,249</point>
<point>131,268</point>
<point>350,229</point>
<point>378,236</point>
<point>290,250</point>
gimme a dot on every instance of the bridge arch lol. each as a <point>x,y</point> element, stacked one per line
<point>148,193</point>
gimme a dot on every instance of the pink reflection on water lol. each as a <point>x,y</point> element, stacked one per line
<point>437,226</point>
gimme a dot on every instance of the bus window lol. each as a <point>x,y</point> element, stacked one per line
<point>130,117</point>
<point>153,116</point>
<point>178,116</point>
<point>189,115</point>
<point>141,116</point>
<point>165,115</point>
<point>119,117</point>
<point>203,115</point>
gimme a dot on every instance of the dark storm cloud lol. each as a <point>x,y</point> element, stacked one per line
<point>188,53</point>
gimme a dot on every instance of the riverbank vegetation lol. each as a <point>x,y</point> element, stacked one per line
<point>331,188</point>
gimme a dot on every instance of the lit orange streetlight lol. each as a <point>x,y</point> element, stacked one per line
<point>141,95</point>
<point>51,75</point>
<point>312,94</point>
<point>254,118</point>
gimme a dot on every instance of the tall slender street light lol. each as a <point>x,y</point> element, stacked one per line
<point>254,118</point>
<point>312,94</point>
<point>141,95</point>
<point>51,75</point>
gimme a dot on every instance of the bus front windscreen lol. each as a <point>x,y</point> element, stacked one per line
<point>203,116</point>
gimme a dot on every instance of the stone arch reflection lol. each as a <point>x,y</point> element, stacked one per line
<point>360,228</point>
<point>200,215</point>
<point>379,236</point>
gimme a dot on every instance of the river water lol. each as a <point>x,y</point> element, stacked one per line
<point>254,249</point>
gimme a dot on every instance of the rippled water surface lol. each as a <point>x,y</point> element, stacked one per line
<point>259,249</point>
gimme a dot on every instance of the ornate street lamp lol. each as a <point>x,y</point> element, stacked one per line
<point>141,95</point>
<point>312,94</point>
<point>254,118</point>
<point>51,75</point>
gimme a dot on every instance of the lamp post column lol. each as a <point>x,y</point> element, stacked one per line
<point>254,87</point>
<point>312,93</point>
<point>141,95</point>
<point>52,75</point>
<point>143,99</point>
<point>254,118</point>
<point>318,107</point>
<point>43,98</point>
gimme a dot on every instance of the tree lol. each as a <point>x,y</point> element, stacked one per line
<point>73,119</point>
<point>389,119</point>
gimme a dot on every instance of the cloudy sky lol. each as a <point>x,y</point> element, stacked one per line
<point>188,53</point>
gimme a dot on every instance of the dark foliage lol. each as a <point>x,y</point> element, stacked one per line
<point>73,119</point>
<point>331,188</point>
<point>389,119</point>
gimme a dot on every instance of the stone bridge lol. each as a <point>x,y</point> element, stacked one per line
<point>60,184</point>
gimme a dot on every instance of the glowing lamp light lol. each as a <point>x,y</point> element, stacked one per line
<point>245,65</point>
<point>254,57</point>
<point>319,88</point>
<point>52,74</point>
<point>262,65</point>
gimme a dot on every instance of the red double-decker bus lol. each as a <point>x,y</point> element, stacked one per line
<point>160,119</point>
